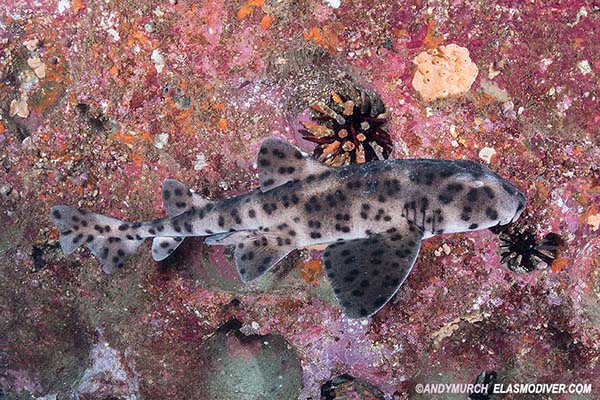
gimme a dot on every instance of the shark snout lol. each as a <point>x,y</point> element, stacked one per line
<point>513,201</point>
<point>521,201</point>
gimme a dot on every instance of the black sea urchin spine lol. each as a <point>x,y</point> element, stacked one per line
<point>522,251</point>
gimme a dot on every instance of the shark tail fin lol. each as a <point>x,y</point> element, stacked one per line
<point>177,199</point>
<point>111,240</point>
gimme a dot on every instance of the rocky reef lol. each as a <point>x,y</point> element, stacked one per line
<point>102,101</point>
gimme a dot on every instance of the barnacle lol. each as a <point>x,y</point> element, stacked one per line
<point>522,251</point>
<point>349,129</point>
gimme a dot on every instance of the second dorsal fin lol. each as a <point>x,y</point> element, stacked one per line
<point>177,199</point>
<point>280,162</point>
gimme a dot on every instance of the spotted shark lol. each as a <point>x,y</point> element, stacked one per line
<point>372,217</point>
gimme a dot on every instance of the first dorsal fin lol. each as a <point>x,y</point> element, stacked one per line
<point>179,198</point>
<point>279,162</point>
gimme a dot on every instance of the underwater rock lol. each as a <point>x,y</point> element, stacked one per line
<point>250,367</point>
<point>348,387</point>
<point>100,108</point>
<point>110,375</point>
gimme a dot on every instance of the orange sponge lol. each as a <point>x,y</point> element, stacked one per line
<point>444,71</point>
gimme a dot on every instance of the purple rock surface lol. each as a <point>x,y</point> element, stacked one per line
<point>101,101</point>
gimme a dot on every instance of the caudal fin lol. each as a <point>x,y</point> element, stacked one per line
<point>111,240</point>
<point>177,199</point>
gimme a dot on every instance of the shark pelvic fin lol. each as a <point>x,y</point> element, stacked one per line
<point>258,254</point>
<point>255,253</point>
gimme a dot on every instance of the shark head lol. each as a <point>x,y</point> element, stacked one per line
<point>474,197</point>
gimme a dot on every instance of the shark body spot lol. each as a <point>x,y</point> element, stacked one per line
<point>472,195</point>
<point>491,213</point>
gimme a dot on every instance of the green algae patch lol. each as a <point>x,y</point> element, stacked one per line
<point>250,367</point>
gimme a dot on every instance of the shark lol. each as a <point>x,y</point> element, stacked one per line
<point>372,217</point>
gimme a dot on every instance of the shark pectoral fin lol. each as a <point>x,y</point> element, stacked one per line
<point>366,273</point>
<point>177,199</point>
<point>280,162</point>
<point>256,256</point>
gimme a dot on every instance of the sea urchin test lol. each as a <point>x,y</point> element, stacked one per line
<point>373,217</point>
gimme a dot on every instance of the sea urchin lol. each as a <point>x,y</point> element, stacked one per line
<point>349,130</point>
<point>522,251</point>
